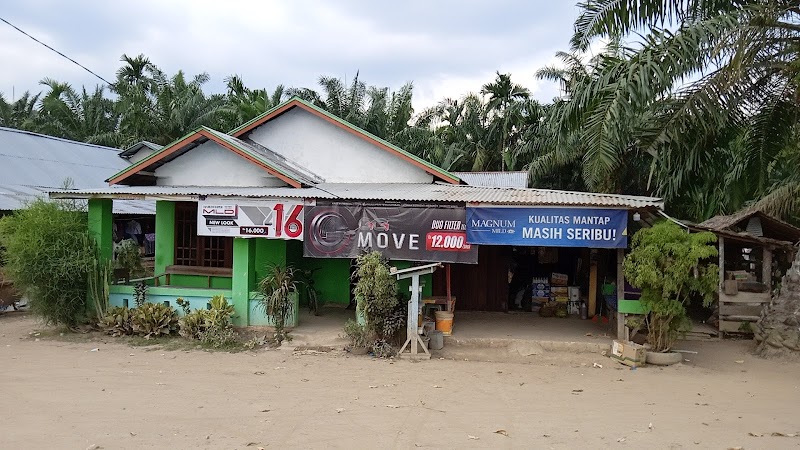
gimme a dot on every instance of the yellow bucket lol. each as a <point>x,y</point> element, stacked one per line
<point>444,322</point>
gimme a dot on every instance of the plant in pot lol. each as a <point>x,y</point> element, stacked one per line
<point>277,290</point>
<point>671,266</point>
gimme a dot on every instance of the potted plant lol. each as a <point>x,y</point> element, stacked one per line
<point>670,266</point>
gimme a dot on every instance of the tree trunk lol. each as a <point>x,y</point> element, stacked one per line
<point>778,331</point>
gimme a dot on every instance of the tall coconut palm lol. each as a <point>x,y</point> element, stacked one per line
<point>503,110</point>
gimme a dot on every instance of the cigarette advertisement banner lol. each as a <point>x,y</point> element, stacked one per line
<point>272,219</point>
<point>411,233</point>
<point>548,227</point>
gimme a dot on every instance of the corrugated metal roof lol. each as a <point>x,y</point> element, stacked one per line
<point>438,192</point>
<point>518,179</point>
<point>138,146</point>
<point>16,197</point>
<point>32,164</point>
<point>159,192</point>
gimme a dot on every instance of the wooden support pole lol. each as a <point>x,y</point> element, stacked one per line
<point>622,333</point>
<point>592,284</point>
<point>449,291</point>
<point>766,268</point>
<point>721,287</point>
<point>721,264</point>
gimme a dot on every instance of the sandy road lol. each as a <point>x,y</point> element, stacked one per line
<point>62,395</point>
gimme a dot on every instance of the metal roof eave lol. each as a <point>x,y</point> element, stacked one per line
<point>437,193</point>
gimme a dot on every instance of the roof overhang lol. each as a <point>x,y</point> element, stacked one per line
<point>399,192</point>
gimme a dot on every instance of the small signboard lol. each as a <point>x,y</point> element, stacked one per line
<point>272,219</point>
<point>548,227</point>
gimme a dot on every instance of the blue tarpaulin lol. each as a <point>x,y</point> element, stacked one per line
<point>548,227</point>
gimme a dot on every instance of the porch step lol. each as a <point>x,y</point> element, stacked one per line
<point>526,347</point>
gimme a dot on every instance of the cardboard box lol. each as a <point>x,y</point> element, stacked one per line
<point>731,287</point>
<point>628,353</point>
<point>560,290</point>
<point>559,279</point>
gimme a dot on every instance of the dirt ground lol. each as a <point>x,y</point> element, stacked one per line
<point>59,394</point>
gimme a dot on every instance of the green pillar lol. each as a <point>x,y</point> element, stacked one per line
<point>165,235</point>
<point>101,225</point>
<point>243,278</point>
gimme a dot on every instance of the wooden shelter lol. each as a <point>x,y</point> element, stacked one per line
<point>754,247</point>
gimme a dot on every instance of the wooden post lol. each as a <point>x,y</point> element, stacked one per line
<point>449,292</point>
<point>592,284</point>
<point>721,287</point>
<point>766,268</point>
<point>721,264</point>
<point>622,331</point>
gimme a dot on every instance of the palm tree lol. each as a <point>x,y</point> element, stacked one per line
<point>244,104</point>
<point>705,69</point>
<point>503,110</point>
<point>21,114</point>
<point>85,117</point>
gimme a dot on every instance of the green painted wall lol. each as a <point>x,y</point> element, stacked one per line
<point>198,281</point>
<point>268,252</point>
<point>165,238</point>
<point>332,280</point>
<point>101,225</point>
<point>244,252</point>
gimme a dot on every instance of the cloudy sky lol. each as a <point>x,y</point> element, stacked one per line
<point>445,47</point>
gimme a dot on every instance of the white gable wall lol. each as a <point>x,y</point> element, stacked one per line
<point>210,164</point>
<point>332,153</point>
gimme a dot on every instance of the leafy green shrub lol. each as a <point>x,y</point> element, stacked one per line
<point>356,333</point>
<point>154,319</point>
<point>118,321</point>
<point>276,289</point>
<point>192,324</point>
<point>213,326</point>
<point>218,337</point>
<point>49,256</point>
<point>378,302</point>
<point>670,265</point>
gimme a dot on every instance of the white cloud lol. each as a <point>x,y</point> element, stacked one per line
<point>446,52</point>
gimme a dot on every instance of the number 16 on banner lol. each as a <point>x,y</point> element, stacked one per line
<point>285,223</point>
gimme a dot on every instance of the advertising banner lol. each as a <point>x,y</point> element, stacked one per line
<point>272,219</point>
<point>548,227</point>
<point>411,233</point>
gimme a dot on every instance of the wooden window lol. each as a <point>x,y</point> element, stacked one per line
<point>194,250</point>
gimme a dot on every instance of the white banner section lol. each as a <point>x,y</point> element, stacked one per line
<point>272,219</point>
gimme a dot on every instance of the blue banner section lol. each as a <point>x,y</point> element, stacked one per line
<point>548,227</point>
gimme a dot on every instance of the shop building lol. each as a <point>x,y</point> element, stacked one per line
<point>300,186</point>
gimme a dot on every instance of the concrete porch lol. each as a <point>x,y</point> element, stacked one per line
<point>513,334</point>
